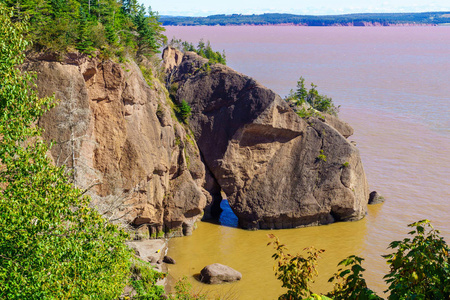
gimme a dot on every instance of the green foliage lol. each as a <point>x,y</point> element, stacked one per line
<point>184,111</point>
<point>321,102</point>
<point>349,281</point>
<point>148,76</point>
<point>110,26</point>
<point>346,164</point>
<point>183,291</point>
<point>150,35</point>
<point>296,272</point>
<point>317,102</point>
<point>301,93</point>
<point>419,269</point>
<point>84,43</point>
<point>144,279</point>
<point>322,156</point>
<point>202,49</point>
<point>52,245</point>
<point>304,112</point>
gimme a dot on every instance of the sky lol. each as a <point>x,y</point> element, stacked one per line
<point>314,7</point>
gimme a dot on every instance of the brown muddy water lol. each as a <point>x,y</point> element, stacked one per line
<point>393,88</point>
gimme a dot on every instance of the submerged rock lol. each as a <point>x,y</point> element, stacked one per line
<point>276,169</point>
<point>218,273</point>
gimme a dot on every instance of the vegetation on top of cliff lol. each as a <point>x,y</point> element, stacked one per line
<point>307,103</point>
<point>202,49</point>
<point>419,269</point>
<point>382,19</point>
<point>115,28</point>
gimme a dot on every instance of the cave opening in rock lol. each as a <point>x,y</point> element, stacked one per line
<point>227,217</point>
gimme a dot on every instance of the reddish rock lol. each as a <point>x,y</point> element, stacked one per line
<point>118,134</point>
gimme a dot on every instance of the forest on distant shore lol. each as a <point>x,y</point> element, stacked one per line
<point>364,19</point>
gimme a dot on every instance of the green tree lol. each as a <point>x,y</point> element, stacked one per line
<point>184,111</point>
<point>84,44</point>
<point>301,91</point>
<point>111,26</point>
<point>52,245</point>
<point>147,38</point>
<point>201,48</point>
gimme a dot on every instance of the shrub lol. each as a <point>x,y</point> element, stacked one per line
<point>419,270</point>
<point>349,282</point>
<point>184,111</point>
<point>183,291</point>
<point>144,279</point>
<point>322,156</point>
<point>296,272</point>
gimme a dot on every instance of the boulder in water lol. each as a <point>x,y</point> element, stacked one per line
<point>375,198</point>
<point>218,273</point>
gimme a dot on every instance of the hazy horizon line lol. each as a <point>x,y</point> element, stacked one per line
<point>298,14</point>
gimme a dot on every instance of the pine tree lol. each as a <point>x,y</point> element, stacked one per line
<point>84,44</point>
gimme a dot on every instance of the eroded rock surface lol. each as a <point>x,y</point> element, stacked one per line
<point>277,169</point>
<point>119,136</point>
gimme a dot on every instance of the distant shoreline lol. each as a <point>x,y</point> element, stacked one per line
<point>349,20</point>
<point>301,25</point>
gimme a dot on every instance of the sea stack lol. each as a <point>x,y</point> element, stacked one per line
<point>277,170</point>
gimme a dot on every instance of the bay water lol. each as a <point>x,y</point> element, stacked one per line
<point>392,84</point>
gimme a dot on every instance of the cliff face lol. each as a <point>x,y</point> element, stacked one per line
<point>123,143</point>
<point>141,166</point>
<point>277,169</point>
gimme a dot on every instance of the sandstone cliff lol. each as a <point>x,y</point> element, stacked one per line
<point>276,169</point>
<point>123,143</point>
<point>121,139</point>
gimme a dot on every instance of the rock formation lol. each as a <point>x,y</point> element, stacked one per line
<point>123,143</point>
<point>276,169</point>
<point>119,136</point>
